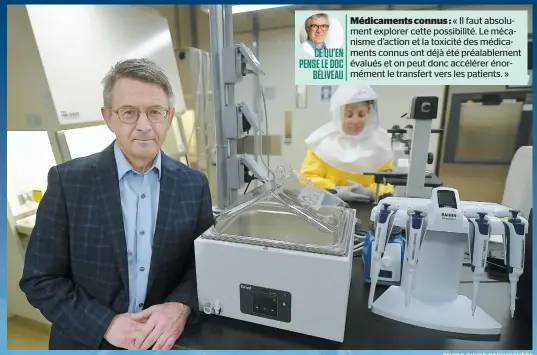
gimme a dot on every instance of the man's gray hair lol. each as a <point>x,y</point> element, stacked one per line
<point>307,23</point>
<point>141,69</point>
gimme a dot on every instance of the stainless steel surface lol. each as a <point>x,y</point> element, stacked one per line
<point>288,213</point>
<point>272,221</point>
<point>216,14</point>
<point>256,83</point>
<point>255,50</point>
<point>270,144</point>
<point>488,132</point>
<point>229,89</point>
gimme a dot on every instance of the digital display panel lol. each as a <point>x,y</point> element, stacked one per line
<point>446,199</point>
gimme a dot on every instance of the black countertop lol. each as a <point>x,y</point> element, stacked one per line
<point>400,179</point>
<point>366,330</point>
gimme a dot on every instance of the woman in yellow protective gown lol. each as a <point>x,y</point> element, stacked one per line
<point>341,151</point>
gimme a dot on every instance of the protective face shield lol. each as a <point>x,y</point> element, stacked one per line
<point>367,151</point>
<point>345,101</point>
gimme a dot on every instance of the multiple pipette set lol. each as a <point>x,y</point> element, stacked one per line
<point>443,218</point>
<point>440,229</point>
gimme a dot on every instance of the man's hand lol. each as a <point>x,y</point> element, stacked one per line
<point>165,324</point>
<point>123,330</point>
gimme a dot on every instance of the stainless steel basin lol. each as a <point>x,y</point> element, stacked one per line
<point>273,221</point>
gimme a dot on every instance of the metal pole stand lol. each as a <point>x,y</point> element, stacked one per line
<point>217,45</point>
<point>231,121</point>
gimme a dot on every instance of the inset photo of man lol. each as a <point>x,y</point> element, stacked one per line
<point>321,31</point>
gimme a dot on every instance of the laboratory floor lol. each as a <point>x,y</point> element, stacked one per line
<point>25,334</point>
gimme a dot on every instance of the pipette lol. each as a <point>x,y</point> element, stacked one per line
<point>514,246</point>
<point>416,228</point>
<point>478,237</point>
<point>383,229</point>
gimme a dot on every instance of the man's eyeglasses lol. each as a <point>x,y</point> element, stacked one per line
<point>322,27</point>
<point>129,114</point>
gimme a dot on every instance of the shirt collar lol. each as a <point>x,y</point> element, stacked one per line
<point>123,166</point>
<point>314,46</point>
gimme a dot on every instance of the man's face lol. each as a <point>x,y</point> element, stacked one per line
<point>142,139</point>
<point>317,30</point>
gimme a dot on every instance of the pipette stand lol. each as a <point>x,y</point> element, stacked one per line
<point>434,301</point>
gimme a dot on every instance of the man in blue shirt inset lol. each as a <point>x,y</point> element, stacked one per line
<point>110,262</point>
<point>316,29</point>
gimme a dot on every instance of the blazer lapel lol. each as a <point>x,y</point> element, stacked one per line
<point>168,202</point>
<point>107,182</point>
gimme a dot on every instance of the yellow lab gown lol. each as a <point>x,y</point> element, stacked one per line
<point>327,177</point>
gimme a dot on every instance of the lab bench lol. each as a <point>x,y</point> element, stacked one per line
<point>366,330</point>
<point>24,227</point>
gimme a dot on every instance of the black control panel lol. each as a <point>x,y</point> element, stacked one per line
<point>265,303</point>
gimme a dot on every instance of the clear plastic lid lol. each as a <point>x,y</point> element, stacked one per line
<point>289,212</point>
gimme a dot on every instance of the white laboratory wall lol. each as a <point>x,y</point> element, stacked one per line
<point>29,158</point>
<point>276,54</point>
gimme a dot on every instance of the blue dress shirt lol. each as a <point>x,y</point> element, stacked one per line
<point>314,46</point>
<point>139,203</point>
